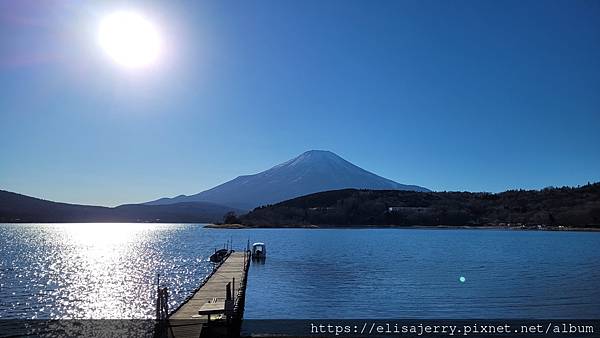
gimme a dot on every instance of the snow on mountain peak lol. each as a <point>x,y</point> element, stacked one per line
<point>310,172</point>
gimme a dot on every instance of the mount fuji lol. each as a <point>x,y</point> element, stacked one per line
<point>312,171</point>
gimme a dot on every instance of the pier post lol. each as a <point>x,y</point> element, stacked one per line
<point>158,296</point>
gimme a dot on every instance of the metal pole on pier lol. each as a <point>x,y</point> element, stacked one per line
<point>157,296</point>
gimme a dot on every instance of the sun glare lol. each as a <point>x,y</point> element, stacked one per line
<point>130,39</point>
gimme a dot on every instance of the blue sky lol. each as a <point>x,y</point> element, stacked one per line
<point>450,95</point>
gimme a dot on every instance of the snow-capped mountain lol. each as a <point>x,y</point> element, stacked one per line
<point>312,171</point>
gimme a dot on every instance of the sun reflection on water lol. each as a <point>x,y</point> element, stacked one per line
<point>93,271</point>
<point>98,253</point>
<point>103,281</point>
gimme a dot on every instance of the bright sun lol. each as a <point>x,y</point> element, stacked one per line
<point>130,39</point>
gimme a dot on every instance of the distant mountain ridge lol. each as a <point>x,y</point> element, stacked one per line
<point>311,172</point>
<point>25,209</point>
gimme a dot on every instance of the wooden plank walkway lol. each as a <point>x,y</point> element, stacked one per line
<point>185,321</point>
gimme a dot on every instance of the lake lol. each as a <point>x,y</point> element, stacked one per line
<point>110,270</point>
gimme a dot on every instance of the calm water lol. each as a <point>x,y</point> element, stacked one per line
<point>109,271</point>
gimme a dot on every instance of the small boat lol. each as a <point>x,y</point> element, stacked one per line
<point>259,250</point>
<point>218,256</point>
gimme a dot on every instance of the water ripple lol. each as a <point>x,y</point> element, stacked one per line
<point>109,271</point>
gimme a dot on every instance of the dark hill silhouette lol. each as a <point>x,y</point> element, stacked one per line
<point>570,207</point>
<point>20,208</point>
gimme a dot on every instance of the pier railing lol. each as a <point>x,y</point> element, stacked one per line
<point>162,307</point>
<point>240,296</point>
<point>202,283</point>
<point>215,308</point>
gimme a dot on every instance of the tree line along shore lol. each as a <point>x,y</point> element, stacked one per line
<point>564,208</point>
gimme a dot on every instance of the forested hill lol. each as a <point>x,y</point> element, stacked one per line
<point>572,207</point>
<point>25,209</point>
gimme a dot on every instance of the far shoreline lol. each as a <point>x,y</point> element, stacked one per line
<point>237,226</point>
<point>426,227</point>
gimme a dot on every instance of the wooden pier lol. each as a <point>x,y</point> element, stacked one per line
<point>216,308</point>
